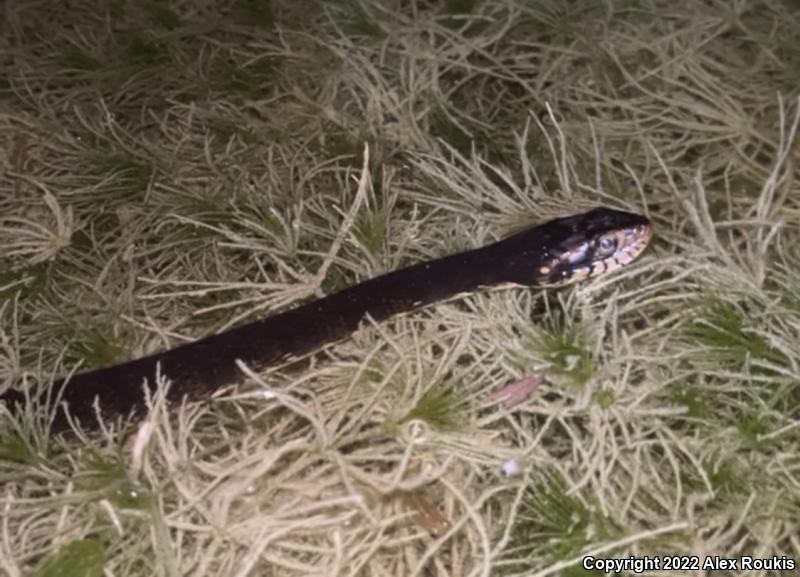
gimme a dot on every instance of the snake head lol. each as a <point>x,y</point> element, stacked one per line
<point>589,244</point>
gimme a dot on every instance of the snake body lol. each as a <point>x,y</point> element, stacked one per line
<point>554,253</point>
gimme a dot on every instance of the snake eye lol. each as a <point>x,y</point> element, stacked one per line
<point>606,246</point>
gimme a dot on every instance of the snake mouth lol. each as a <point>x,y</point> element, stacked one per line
<point>630,242</point>
<point>603,253</point>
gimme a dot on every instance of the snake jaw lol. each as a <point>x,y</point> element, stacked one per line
<point>579,257</point>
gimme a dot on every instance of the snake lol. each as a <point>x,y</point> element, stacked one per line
<point>553,254</point>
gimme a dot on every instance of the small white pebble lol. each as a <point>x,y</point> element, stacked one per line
<point>511,468</point>
<point>417,431</point>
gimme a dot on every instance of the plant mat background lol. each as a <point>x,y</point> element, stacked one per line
<point>171,169</point>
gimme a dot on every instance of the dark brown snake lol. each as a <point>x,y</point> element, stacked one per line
<point>551,254</point>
